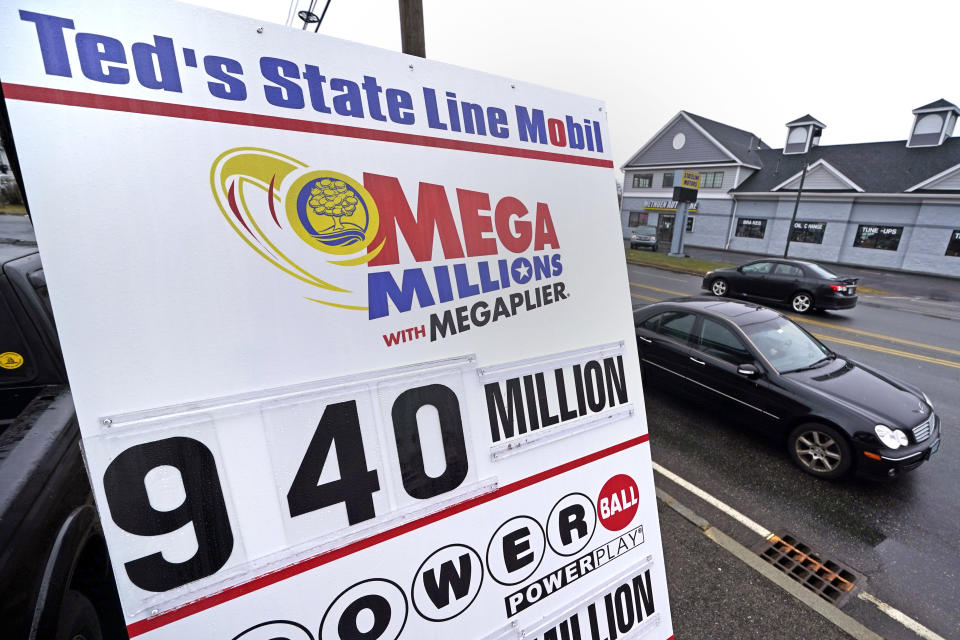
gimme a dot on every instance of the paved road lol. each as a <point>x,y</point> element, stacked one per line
<point>903,536</point>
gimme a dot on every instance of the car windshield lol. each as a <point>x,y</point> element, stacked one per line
<point>821,272</point>
<point>646,231</point>
<point>787,346</point>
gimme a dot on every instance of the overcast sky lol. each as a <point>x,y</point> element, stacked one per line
<point>859,67</point>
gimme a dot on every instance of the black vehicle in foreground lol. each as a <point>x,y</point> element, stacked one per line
<point>835,415</point>
<point>805,286</point>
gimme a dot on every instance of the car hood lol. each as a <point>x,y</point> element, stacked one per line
<point>880,397</point>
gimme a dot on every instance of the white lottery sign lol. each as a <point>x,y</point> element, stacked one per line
<point>348,332</point>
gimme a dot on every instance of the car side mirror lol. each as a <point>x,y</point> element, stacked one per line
<point>748,370</point>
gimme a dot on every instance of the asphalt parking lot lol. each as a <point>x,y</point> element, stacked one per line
<point>900,538</point>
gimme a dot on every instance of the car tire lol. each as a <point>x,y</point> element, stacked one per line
<point>78,619</point>
<point>801,302</point>
<point>719,287</point>
<point>820,450</point>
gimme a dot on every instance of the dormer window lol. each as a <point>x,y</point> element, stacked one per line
<point>933,124</point>
<point>802,134</point>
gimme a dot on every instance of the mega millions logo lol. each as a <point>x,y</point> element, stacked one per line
<point>340,237</point>
<point>303,220</point>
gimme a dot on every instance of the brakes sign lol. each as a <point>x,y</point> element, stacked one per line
<point>349,333</point>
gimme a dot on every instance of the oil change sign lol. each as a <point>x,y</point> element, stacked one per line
<point>348,331</point>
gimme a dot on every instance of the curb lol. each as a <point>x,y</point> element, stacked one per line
<point>838,618</point>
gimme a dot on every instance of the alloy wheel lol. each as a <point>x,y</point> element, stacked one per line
<point>719,287</point>
<point>818,451</point>
<point>802,302</point>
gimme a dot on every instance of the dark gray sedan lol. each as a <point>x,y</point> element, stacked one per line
<point>804,286</point>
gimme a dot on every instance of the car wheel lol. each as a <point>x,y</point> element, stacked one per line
<point>820,450</point>
<point>78,619</point>
<point>802,302</point>
<point>719,287</point>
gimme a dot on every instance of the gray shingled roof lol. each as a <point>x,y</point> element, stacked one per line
<point>938,104</point>
<point>805,119</point>
<point>877,167</point>
<point>740,143</point>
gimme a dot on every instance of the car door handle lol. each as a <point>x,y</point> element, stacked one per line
<point>647,340</point>
<point>697,361</point>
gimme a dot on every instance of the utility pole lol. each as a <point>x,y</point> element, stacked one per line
<point>411,28</point>
<point>796,205</point>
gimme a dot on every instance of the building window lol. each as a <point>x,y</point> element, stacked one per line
<point>811,232</point>
<point>953,247</point>
<point>667,180</point>
<point>877,237</point>
<point>689,224</point>
<point>637,218</point>
<point>642,180</point>
<point>751,227</point>
<point>711,180</point>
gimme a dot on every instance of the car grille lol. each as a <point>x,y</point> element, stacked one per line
<point>922,431</point>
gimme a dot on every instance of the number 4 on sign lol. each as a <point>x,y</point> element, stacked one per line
<point>339,426</point>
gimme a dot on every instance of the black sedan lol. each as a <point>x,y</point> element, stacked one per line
<point>805,286</point>
<point>835,415</point>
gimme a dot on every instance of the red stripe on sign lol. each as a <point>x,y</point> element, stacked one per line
<point>149,107</point>
<point>191,608</point>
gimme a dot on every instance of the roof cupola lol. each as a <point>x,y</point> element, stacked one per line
<point>933,123</point>
<point>802,134</point>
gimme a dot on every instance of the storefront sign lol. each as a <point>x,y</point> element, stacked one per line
<point>666,205</point>
<point>348,359</point>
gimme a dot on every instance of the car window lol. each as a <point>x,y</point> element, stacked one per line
<point>756,268</point>
<point>677,325</point>
<point>652,324</point>
<point>719,341</point>
<point>821,271</point>
<point>788,270</point>
<point>785,345</point>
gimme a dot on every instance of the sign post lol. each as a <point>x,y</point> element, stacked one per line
<point>350,361</point>
<point>686,192</point>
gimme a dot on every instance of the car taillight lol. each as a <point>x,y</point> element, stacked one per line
<point>842,288</point>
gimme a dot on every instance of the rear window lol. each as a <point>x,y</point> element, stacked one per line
<point>821,272</point>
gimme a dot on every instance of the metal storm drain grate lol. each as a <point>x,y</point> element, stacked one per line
<point>830,580</point>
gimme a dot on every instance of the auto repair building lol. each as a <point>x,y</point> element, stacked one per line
<point>893,205</point>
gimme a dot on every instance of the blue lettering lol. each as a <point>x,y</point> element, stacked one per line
<point>94,50</point>
<point>541,266</point>
<point>557,265</point>
<point>52,46</point>
<point>473,117</point>
<point>497,120</point>
<point>487,283</point>
<point>465,288</point>
<point>574,134</point>
<point>229,87</point>
<point>532,128</point>
<point>400,106</point>
<point>285,93</point>
<point>348,103</point>
<point>433,116</point>
<point>315,81</point>
<point>373,90</point>
<point>166,56</point>
<point>382,289</point>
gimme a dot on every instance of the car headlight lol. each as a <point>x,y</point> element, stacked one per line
<point>708,274</point>
<point>892,438</point>
<point>927,399</point>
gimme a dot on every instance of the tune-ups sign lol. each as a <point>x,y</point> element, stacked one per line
<point>348,332</point>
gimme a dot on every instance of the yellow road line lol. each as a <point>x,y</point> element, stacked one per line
<point>893,352</point>
<point>670,291</point>
<point>647,298</point>
<point>876,335</point>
